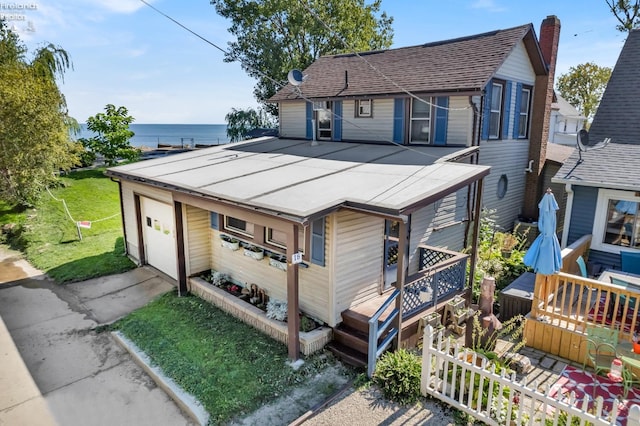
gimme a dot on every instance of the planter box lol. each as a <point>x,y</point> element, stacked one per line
<point>230,245</point>
<point>257,255</point>
<point>280,264</point>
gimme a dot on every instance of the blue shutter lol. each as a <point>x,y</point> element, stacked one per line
<point>213,220</point>
<point>317,241</point>
<point>507,109</point>
<point>309,120</point>
<point>486,115</point>
<point>441,120</point>
<point>398,120</point>
<point>516,111</point>
<point>337,120</point>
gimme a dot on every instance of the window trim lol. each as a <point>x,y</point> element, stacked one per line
<point>429,100</point>
<point>359,107</point>
<point>502,85</point>
<point>238,231</point>
<point>302,244</point>
<point>527,113</point>
<point>600,219</point>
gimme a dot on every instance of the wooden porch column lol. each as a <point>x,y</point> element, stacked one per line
<point>540,292</point>
<point>403,263</point>
<point>477,212</point>
<point>180,258</point>
<point>138,208</point>
<point>293,320</point>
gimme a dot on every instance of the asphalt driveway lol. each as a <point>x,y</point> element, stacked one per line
<point>84,377</point>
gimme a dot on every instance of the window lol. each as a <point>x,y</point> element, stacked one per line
<point>525,107</point>
<point>213,220</point>
<point>317,241</point>
<point>238,225</point>
<point>503,184</point>
<point>364,108</point>
<point>617,221</point>
<point>495,115</point>
<point>420,120</point>
<point>279,238</point>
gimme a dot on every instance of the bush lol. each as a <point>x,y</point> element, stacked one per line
<point>398,376</point>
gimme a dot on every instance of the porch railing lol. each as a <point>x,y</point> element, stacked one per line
<point>441,273</point>
<point>465,381</point>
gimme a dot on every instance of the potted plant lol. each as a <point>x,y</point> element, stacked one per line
<point>254,252</point>
<point>278,261</point>
<point>229,242</point>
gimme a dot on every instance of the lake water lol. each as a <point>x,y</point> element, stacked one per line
<point>151,135</point>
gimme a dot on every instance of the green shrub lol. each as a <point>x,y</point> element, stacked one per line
<point>398,376</point>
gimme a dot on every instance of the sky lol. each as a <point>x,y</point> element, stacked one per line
<point>124,53</point>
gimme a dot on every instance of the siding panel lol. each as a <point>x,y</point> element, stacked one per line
<point>460,121</point>
<point>293,122</point>
<point>377,128</point>
<point>197,244</point>
<point>517,66</point>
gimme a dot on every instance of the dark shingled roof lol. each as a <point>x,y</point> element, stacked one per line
<point>618,118</point>
<point>457,65</point>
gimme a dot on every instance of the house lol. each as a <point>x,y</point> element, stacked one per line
<point>371,193</point>
<point>565,122</point>
<point>491,91</point>
<point>602,185</point>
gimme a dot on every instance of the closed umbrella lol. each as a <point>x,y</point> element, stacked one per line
<point>544,255</point>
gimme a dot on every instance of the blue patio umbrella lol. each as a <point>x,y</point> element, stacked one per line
<point>544,255</point>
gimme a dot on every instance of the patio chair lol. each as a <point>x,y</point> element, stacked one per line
<point>630,262</point>
<point>583,267</point>
<point>601,348</point>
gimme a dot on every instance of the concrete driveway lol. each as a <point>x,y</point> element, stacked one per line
<point>84,377</point>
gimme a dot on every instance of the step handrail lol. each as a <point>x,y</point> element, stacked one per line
<point>375,331</point>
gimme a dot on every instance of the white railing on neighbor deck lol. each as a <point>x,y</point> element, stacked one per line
<point>444,364</point>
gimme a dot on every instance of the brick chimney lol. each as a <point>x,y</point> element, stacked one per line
<point>541,112</point>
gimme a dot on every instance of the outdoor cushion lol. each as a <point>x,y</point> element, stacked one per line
<point>630,262</point>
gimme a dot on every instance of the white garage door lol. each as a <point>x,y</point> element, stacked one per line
<point>159,235</point>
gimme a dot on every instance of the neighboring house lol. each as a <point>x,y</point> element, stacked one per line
<point>556,156</point>
<point>565,122</point>
<point>386,196</point>
<point>604,185</point>
<point>489,90</point>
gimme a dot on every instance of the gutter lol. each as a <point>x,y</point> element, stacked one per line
<point>567,215</point>
<point>621,187</point>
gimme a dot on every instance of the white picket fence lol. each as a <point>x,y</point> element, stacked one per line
<point>444,365</point>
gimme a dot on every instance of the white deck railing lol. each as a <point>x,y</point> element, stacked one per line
<point>493,398</point>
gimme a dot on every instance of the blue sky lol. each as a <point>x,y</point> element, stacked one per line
<point>124,53</point>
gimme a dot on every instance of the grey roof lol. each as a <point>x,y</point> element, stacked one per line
<point>558,153</point>
<point>458,65</point>
<point>565,108</point>
<point>614,166</point>
<point>618,116</point>
<point>296,180</point>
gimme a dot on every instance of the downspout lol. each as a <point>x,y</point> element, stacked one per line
<point>474,160</point>
<point>567,215</point>
<point>476,233</point>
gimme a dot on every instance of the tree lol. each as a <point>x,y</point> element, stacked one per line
<point>34,136</point>
<point>583,87</point>
<point>241,121</point>
<point>113,134</point>
<point>626,12</point>
<point>275,36</point>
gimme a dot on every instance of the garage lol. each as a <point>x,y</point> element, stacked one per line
<point>158,234</point>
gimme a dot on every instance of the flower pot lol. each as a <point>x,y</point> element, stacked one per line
<point>257,255</point>
<point>277,263</point>
<point>229,243</point>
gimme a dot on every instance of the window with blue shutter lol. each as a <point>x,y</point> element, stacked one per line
<point>309,117</point>
<point>213,220</point>
<point>516,112</point>
<point>442,114</point>
<point>317,241</point>
<point>337,120</point>
<point>398,120</point>
<point>486,113</point>
<point>507,108</point>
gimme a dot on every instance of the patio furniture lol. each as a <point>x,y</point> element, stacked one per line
<point>583,266</point>
<point>630,262</point>
<point>631,365</point>
<point>601,348</point>
<point>517,297</point>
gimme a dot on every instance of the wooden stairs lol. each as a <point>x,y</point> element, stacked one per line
<point>351,339</point>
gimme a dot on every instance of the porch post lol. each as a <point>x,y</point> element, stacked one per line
<point>403,262</point>
<point>540,292</point>
<point>180,258</point>
<point>477,211</point>
<point>293,320</point>
<point>141,254</point>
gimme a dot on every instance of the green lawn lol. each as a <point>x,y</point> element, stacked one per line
<point>229,366</point>
<point>50,238</point>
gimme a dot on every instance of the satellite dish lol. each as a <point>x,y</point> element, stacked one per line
<point>296,78</point>
<point>583,144</point>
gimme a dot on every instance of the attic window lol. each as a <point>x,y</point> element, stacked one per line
<point>364,108</point>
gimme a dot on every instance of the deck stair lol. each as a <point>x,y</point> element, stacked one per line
<point>350,339</point>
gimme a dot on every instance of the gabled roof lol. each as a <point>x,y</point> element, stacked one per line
<point>458,65</point>
<point>618,116</point>
<point>564,108</point>
<point>296,180</point>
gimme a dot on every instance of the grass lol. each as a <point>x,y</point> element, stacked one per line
<point>230,367</point>
<point>49,237</point>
